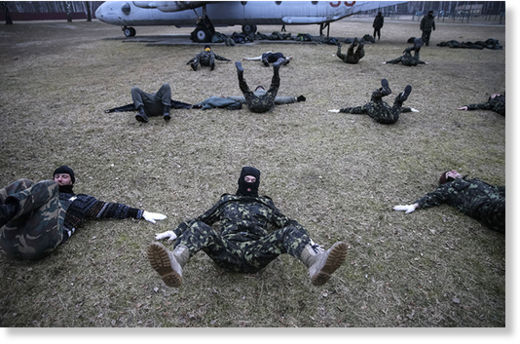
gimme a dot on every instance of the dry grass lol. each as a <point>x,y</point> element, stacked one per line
<point>338,175</point>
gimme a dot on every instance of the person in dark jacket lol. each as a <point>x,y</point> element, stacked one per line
<point>427,25</point>
<point>378,109</point>
<point>260,100</point>
<point>152,104</point>
<point>352,56</point>
<point>269,57</point>
<point>378,23</point>
<point>205,58</point>
<point>407,59</point>
<point>496,102</point>
<point>252,233</point>
<point>35,218</point>
<point>484,202</point>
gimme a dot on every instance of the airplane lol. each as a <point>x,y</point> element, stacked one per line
<point>205,15</point>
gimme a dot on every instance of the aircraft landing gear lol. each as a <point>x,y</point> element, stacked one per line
<point>128,31</point>
<point>248,28</point>
<point>204,31</point>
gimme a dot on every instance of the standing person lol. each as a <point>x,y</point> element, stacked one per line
<point>378,23</point>
<point>260,100</point>
<point>252,233</point>
<point>152,104</point>
<point>496,102</point>
<point>484,202</point>
<point>427,25</point>
<point>352,57</point>
<point>269,57</point>
<point>378,109</point>
<point>205,58</point>
<point>36,218</point>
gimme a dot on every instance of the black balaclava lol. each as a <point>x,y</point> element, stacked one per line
<point>65,169</point>
<point>243,186</point>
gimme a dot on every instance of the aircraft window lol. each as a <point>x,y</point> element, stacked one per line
<point>243,3</point>
<point>314,2</point>
<point>126,8</point>
<point>278,2</point>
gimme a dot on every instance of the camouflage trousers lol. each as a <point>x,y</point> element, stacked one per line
<point>260,103</point>
<point>243,256</point>
<point>378,109</point>
<point>36,229</point>
<point>153,104</point>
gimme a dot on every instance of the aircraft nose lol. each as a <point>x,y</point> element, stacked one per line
<point>107,12</point>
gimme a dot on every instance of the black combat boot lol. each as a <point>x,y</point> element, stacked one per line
<point>404,95</point>
<point>385,87</point>
<point>141,116</point>
<point>166,113</point>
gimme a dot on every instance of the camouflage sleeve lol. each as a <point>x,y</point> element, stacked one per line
<point>221,58</point>
<point>481,106</point>
<point>435,198</point>
<point>209,217</point>
<point>339,54</point>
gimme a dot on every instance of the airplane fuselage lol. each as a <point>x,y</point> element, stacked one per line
<point>126,13</point>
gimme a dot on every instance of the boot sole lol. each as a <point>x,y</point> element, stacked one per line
<point>337,256</point>
<point>159,259</point>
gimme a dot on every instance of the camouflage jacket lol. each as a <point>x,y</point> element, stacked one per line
<point>475,198</point>
<point>80,207</point>
<point>205,57</point>
<point>242,218</point>
<point>497,104</point>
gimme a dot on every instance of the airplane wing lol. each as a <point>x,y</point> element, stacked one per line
<point>170,6</point>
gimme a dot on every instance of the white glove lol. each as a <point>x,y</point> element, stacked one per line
<point>414,110</point>
<point>152,217</point>
<point>334,110</point>
<point>166,235</point>
<point>406,208</point>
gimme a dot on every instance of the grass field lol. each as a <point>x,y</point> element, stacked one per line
<point>338,175</point>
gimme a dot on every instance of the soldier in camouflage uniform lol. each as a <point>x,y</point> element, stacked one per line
<point>252,233</point>
<point>407,59</point>
<point>378,109</point>
<point>483,202</point>
<point>261,100</point>
<point>352,57</point>
<point>205,58</point>
<point>496,102</point>
<point>36,218</point>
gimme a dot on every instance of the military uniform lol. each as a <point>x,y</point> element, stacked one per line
<point>252,233</point>
<point>407,59</point>
<point>379,20</point>
<point>205,58</point>
<point>497,104</point>
<point>426,26</point>
<point>473,197</point>
<point>378,109</point>
<point>153,104</point>
<point>351,57</point>
<point>260,101</point>
<point>46,217</point>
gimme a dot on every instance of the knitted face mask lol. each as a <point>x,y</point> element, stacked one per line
<point>243,186</point>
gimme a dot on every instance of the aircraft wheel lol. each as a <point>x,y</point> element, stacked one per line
<point>248,28</point>
<point>129,31</point>
<point>201,35</point>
